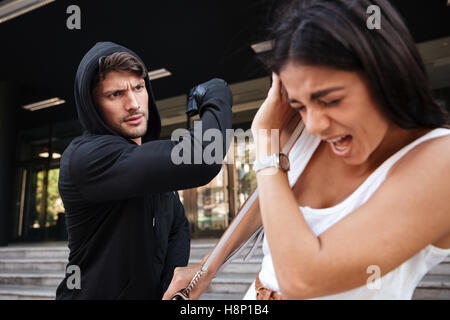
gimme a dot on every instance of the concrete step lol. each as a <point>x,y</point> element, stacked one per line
<point>17,292</point>
<point>230,283</point>
<point>441,269</point>
<point>221,296</point>
<point>34,252</point>
<point>433,287</point>
<point>44,279</point>
<point>35,264</point>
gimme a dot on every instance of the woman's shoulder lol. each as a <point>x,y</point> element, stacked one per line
<point>422,175</point>
<point>437,139</point>
<point>431,154</point>
<point>436,143</point>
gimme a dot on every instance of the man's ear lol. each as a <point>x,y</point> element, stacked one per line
<point>96,84</point>
<point>95,93</point>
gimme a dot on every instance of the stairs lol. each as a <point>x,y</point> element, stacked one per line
<point>34,272</point>
<point>31,272</point>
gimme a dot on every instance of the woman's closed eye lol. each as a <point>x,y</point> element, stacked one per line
<point>330,103</point>
<point>296,105</point>
<point>299,109</point>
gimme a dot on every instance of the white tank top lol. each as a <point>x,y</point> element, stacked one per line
<point>401,282</point>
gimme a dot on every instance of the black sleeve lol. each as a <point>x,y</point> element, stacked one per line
<point>179,245</point>
<point>109,167</point>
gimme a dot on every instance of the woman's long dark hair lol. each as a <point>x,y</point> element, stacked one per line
<point>335,34</point>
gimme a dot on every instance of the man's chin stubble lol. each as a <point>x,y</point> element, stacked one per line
<point>134,136</point>
<point>131,135</point>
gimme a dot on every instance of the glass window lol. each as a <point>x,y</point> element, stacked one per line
<point>210,208</point>
<point>212,205</point>
<point>54,201</point>
<point>243,164</point>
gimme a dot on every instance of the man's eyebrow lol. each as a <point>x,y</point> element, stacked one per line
<point>113,91</point>
<point>142,82</point>
<point>318,94</point>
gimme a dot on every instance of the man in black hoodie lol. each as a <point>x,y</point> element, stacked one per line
<point>127,228</point>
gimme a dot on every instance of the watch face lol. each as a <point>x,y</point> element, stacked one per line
<point>284,162</point>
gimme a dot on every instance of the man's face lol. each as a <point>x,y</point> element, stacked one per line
<point>122,100</point>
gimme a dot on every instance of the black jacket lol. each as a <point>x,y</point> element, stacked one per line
<point>126,225</point>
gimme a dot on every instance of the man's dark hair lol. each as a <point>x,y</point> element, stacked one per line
<point>335,34</point>
<point>118,61</point>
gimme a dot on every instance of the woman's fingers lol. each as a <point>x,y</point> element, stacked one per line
<point>277,91</point>
<point>275,109</point>
<point>274,91</point>
<point>284,95</point>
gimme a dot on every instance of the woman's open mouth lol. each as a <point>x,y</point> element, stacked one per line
<point>341,145</point>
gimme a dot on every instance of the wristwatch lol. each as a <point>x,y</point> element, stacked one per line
<point>279,160</point>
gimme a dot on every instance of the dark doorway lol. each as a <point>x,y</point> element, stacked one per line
<point>39,210</point>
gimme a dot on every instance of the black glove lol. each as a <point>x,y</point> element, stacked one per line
<point>212,92</point>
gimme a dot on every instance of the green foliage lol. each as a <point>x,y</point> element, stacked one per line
<point>54,201</point>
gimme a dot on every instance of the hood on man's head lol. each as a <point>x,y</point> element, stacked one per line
<point>88,114</point>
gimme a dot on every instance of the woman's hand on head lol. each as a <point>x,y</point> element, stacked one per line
<point>274,114</point>
<point>275,110</point>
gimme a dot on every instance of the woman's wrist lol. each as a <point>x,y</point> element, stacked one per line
<point>266,141</point>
